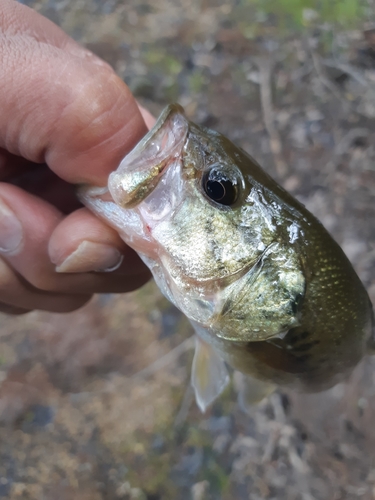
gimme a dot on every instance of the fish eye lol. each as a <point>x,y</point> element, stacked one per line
<point>220,187</point>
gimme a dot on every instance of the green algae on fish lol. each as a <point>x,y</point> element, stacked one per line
<point>266,288</point>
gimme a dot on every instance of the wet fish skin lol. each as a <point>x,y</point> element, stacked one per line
<point>335,312</point>
<point>265,286</point>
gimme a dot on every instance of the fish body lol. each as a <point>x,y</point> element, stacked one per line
<point>267,289</point>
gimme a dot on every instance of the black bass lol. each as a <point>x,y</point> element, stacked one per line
<point>267,289</point>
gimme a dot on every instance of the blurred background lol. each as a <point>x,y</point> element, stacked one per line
<point>96,404</point>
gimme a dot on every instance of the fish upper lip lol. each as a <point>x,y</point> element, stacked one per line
<point>140,171</point>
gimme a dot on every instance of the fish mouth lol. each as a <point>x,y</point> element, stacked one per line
<point>140,171</point>
<point>150,182</point>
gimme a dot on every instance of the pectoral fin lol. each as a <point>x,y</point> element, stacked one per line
<point>209,375</point>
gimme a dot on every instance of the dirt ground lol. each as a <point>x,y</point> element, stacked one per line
<point>96,404</point>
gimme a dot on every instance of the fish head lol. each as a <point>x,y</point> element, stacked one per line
<point>218,243</point>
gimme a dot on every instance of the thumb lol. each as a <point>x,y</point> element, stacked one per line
<point>60,103</point>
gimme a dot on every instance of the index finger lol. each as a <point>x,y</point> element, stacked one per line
<point>61,104</point>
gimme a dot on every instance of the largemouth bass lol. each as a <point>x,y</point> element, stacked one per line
<point>266,288</point>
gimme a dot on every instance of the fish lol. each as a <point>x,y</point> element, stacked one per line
<point>268,291</point>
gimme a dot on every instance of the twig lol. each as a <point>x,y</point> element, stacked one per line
<point>271,445</point>
<point>347,140</point>
<point>325,80</point>
<point>265,70</point>
<point>343,147</point>
<point>348,69</point>
<point>299,73</point>
<point>278,409</point>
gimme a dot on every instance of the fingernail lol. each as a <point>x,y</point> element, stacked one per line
<point>91,256</point>
<point>11,232</point>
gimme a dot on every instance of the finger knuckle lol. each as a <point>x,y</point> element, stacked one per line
<point>8,279</point>
<point>42,282</point>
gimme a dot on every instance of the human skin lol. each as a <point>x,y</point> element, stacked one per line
<point>66,119</point>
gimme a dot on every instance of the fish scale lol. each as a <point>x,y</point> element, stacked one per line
<point>268,291</point>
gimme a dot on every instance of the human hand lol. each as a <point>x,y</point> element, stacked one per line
<point>66,119</point>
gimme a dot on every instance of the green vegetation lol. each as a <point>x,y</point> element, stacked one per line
<point>197,81</point>
<point>217,477</point>
<point>297,15</point>
<point>158,56</point>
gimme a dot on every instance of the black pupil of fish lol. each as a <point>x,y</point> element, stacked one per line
<point>222,191</point>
